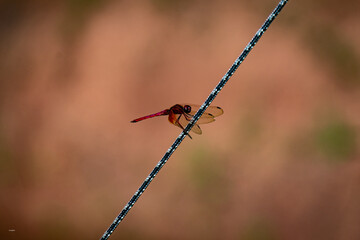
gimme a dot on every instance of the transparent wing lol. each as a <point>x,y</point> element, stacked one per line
<point>213,111</point>
<point>202,120</point>
<point>208,115</point>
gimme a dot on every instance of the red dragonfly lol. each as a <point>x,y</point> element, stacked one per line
<point>181,114</point>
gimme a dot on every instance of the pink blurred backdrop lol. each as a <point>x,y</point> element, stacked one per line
<point>281,163</point>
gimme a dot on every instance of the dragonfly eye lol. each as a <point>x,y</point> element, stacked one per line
<point>187,109</point>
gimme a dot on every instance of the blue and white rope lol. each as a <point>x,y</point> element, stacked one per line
<point>201,110</point>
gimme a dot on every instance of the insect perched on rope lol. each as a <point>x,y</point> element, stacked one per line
<point>181,114</point>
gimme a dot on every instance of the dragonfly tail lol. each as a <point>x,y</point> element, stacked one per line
<point>162,113</point>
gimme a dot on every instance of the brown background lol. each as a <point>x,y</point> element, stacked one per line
<point>281,163</point>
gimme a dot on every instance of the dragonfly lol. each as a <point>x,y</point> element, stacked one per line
<point>181,114</point>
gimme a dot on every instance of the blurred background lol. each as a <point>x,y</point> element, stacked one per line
<point>283,162</point>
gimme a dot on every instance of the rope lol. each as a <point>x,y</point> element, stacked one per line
<point>201,110</point>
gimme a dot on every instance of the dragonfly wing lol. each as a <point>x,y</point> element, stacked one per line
<point>208,115</point>
<point>211,111</point>
<point>214,110</point>
<point>203,119</point>
<point>196,129</point>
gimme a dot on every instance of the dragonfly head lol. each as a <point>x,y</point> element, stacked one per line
<point>187,108</point>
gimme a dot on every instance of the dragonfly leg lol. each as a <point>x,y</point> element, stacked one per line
<point>177,120</point>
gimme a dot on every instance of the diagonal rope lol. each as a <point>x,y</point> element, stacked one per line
<point>201,110</point>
